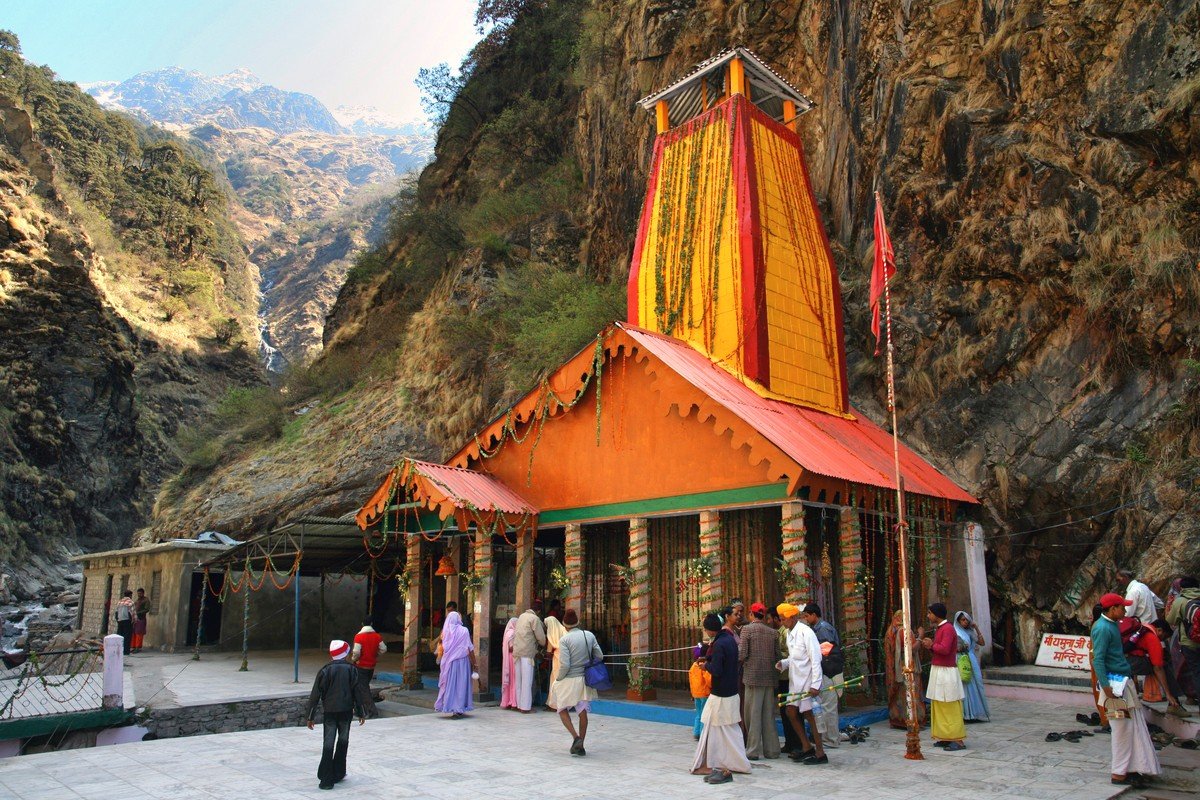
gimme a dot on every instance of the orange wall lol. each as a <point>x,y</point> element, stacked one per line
<point>645,452</point>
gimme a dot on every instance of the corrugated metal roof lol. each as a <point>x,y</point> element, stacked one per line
<point>766,81</point>
<point>853,449</point>
<point>466,488</point>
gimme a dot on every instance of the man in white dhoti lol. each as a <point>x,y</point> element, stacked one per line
<point>721,750</point>
<point>529,637</point>
<point>803,666</point>
<point>1133,756</point>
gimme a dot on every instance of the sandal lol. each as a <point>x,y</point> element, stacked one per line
<point>1083,719</point>
<point>1053,737</point>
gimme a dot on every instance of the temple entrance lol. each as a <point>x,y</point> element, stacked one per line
<point>212,608</point>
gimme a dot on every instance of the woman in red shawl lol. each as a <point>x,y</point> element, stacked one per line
<point>893,668</point>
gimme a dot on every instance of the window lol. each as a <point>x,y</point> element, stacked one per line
<point>155,590</point>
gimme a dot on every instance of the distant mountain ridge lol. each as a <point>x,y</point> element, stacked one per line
<point>238,99</point>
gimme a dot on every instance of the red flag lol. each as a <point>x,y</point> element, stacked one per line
<point>883,269</point>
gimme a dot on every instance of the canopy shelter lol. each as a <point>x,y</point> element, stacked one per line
<point>734,71</point>
<point>312,546</point>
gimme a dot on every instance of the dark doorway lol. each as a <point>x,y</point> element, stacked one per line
<point>107,606</point>
<point>212,608</point>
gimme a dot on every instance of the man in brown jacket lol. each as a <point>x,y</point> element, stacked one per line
<point>758,652</point>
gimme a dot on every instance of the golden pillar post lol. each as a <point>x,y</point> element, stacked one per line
<point>795,553</point>
<point>410,663</point>
<point>737,77</point>
<point>639,610</point>
<point>712,588</point>
<point>662,117</point>
<point>789,115</point>
<point>573,563</point>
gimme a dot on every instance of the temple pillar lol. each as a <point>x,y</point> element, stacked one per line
<point>410,663</point>
<point>573,564</point>
<point>481,609</point>
<point>795,553</point>
<point>854,603</point>
<point>640,687</point>
<point>981,608</point>
<point>712,587</point>
<point>454,582</point>
<point>524,593</point>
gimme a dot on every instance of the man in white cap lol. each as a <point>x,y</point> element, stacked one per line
<point>338,691</point>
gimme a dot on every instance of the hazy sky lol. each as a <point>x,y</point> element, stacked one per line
<point>345,52</point>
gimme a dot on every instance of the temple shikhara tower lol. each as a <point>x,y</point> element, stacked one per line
<point>703,449</point>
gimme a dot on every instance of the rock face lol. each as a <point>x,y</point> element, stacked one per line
<point>1038,167</point>
<point>308,185</point>
<point>89,403</point>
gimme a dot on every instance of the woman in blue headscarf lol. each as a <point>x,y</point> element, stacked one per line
<point>975,707</point>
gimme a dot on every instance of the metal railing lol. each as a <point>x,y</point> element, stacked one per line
<point>53,682</point>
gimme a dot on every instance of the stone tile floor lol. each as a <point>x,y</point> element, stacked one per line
<point>501,754</point>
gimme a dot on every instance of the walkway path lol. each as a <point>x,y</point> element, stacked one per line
<point>501,754</point>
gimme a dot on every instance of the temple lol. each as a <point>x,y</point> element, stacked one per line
<point>703,449</point>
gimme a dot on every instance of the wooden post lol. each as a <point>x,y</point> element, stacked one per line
<point>662,116</point>
<point>524,598</point>
<point>482,608</point>
<point>795,552</point>
<point>573,562</point>
<point>640,687</point>
<point>410,663</point>
<point>454,582</point>
<point>737,77</point>
<point>712,590</point>
<point>789,115</point>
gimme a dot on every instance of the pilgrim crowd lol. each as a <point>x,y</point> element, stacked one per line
<point>789,660</point>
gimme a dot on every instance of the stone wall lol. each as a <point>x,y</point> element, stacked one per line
<point>242,715</point>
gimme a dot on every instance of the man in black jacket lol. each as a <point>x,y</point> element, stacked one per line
<point>338,691</point>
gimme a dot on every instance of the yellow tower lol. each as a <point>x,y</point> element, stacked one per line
<point>731,255</point>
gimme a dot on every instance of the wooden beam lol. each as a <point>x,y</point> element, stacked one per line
<point>789,115</point>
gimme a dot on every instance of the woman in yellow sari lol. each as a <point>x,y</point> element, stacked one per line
<point>554,631</point>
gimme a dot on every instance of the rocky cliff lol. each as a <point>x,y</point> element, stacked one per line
<point>1038,166</point>
<point>104,359</point>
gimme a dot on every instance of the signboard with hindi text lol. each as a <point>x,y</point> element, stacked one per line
<point>1065,651</point>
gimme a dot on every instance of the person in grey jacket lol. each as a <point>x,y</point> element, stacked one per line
<point>338,691</point>
<point>577,648</point>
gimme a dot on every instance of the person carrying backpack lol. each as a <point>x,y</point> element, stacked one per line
<point>833,662</point>
<point>1184,616</point>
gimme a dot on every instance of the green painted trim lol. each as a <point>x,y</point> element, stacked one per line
<point>60,723</point>
<point>724,498</point>
<point>750,495</point>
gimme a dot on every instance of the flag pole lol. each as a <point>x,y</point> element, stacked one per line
<point>912,739</point>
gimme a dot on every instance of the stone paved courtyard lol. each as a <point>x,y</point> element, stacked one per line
<point>501,754</point>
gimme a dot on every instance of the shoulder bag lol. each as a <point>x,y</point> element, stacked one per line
<point>595,674</point>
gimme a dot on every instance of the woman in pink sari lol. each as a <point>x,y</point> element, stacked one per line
<point>508,686</point>
<point>456,681</point>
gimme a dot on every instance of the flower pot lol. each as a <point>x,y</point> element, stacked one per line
<point>641,695</point>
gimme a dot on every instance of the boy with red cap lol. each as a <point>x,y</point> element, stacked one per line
<point>1133,756</point>
<point>339,692</point>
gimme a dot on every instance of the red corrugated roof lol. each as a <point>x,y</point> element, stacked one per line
<point>855,450</point>
<point>466,488</point>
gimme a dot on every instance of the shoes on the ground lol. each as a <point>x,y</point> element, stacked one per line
<point>719,776</point>
<point>1105,729</point>
<point>1083,719</point>
<point>954,747</point>
<point>577,747</point>
<point>1179,711</point>
<point>325,786</point>
<point>1094,719</point>
<point>787,748</point>
<point>1188,744</point>
<point>800,755</point>
<point>1048,739</point>
<point>696,736</point>
<point>814,760</point>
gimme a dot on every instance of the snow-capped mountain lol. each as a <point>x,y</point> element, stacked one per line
<point>366,120</point>
<point>238,99</point>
